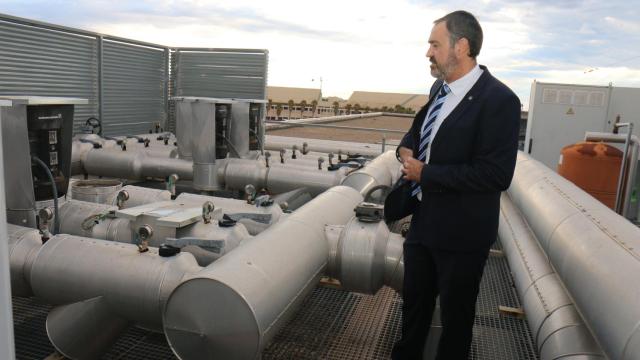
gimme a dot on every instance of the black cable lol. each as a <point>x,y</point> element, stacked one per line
<point>54,188</point>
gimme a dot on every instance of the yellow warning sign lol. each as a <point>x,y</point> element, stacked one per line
<point>570,112</point>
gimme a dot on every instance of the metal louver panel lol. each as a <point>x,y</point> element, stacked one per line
<point>42,62</point>
<point>223,73</point>
<point>171,122</point>
<point>133,88</point>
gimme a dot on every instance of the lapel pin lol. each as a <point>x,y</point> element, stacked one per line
<point>470,97</point>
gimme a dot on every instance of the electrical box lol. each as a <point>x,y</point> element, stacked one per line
<point>35,127</point>
<point>561,114</point>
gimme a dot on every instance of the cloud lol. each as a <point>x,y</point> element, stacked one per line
<point>377,45</point>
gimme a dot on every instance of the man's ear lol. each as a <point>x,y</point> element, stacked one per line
<point>462,47</point>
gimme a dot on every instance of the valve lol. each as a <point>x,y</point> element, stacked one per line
<point>146,142</point>
<point>121,198</point>
<point>294,148</point>
<point>339,155</point>
<point>330,159</point>
<point>123,144</point>
<point>267,155</point>
<point>207,211</point>
<point>145,232</point>
<point>282,152</point>
<point>320,161</point>
<point>250,191</point>
<point>45,216</point>
<point>166,140</point>
<point>305,148</point>
<point>171,184</point>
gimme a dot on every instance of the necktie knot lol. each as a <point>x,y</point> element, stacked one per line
<point>444,90</point>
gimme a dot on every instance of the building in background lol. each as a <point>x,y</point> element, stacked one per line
<point>294,103</point>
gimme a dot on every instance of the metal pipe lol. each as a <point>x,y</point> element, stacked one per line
<point>558,329</point>
<point>593,250</point>
<point>377,130</point>
<point>365,255</point>
<point>623,165</point>
<point>237,304</point>
<point>383,170</point>
<point>134,165</point>
<point>237,173</point>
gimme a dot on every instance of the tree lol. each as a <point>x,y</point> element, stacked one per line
<point>367,109</point>
<point>348,108</point>
<point>278,110</point>
<point>303,105</point>
<point>385,109</point>
<point>290,103</point>
<point>336,108</point>
<point>356,108</point>
<point>314,107</point>
<point>398,108</point>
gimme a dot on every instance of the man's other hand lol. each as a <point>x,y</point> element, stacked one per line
<point>404,153</point>
<point>412,168</point>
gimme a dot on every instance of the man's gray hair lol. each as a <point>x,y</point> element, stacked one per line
<point>462,24</point>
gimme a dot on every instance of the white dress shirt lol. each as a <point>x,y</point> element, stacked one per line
<point>459,90</point>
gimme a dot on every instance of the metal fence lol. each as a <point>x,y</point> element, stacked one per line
<point>128,83</point>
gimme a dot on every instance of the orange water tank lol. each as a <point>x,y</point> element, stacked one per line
<point>594,167</point>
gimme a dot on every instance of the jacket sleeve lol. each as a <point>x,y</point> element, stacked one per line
<point>493,161</point>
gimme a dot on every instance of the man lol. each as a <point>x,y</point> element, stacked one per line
<point>459,154</point>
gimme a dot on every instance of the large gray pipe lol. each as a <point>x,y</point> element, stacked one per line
<point>595,252</point>
<point>237,173</point>
<point>137,165</point>
<point>381,171</point>
<point>553,319</point>
<point>365,255</point>
<point>233,308</point>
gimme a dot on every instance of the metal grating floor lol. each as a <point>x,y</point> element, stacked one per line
<point>331,324</point>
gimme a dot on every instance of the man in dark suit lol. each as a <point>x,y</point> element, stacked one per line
<point>460,154</point>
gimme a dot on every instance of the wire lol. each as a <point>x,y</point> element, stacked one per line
<point>54,188</point>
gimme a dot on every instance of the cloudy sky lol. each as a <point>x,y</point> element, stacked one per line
<point>376,45</point>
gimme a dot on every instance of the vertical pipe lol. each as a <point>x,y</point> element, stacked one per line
<point>623,165</point>
<point>6,316</point>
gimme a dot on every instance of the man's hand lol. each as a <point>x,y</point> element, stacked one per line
<point>412,169</point>
<point>404,153</point>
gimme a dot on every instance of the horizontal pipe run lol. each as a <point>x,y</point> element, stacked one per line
<point>558,329</point>
<point>595,252</point>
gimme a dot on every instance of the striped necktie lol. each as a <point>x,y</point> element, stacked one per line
<point>427,129</point>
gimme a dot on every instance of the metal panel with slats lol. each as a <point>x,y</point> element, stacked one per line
<point>43,62</point>
<point>219,73</point>
<point>133,88</point>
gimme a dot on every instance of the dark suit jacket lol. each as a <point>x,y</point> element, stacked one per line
<point>472,160</point>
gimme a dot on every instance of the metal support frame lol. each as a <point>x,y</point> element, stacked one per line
<point>338,127</point>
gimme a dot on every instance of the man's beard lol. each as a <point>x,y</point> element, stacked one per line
<point>441,71</point>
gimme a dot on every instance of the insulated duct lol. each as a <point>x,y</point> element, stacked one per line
<point>237,173</point>
<point>134,165</point>
<point>593,250</point>
<point>253,294</point>
<point>554,321</point>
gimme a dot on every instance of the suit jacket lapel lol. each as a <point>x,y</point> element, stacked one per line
<point>471,96</point>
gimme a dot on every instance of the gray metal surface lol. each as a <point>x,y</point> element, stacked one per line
<point>18,179</point>
<point>560,331</point>
<point>330,324</point>
<point>133,88</point>
<point>217,73</point>
<point>255,295</point>
<point>40,61</point>
<point>134,165</point>
<point>593,250</point>
<point>6,316</point>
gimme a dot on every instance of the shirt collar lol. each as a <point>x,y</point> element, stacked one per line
<point>462,85</point>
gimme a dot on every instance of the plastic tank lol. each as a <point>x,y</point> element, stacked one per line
<point>594,167</point>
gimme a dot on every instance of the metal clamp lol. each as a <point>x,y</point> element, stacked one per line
<point>369,212</point>
<point>122,197</point>
<point>294,148</point>
<point>267,155</point>
<point>320,161</point>
<point>282,152</point>
<point>250,191</point>
<point>305,148</point>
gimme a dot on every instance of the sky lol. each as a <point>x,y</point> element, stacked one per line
<point>373,45</point>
